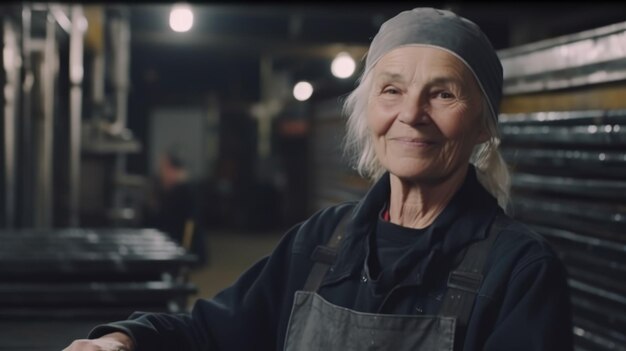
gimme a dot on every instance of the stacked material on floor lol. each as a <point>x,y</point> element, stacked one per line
<point>72,279</point>
<point>563,127</point>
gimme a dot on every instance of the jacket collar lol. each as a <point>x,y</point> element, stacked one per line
<point>464,220</point>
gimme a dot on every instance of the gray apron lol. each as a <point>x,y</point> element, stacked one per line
<point>316,324</point>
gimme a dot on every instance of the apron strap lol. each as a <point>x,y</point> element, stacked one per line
<point>324,256</point>
<point>465,281</point>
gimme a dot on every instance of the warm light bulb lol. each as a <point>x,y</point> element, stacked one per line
<point>343,65</point>
<point>181,18</point>
<point>302,91</point>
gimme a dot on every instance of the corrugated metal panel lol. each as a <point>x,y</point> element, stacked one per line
<point>569,184</point>
<point>569,167</point>
<point>590,57</point>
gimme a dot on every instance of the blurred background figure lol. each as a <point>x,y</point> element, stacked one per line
<point>173,205</point>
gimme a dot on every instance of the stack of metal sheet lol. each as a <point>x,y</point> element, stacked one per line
<point>81,272</point>
<point>569,184</point>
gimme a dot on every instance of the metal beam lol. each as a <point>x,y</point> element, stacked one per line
<point>247,45</point>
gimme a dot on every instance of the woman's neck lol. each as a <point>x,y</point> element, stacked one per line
<point>416,205</point>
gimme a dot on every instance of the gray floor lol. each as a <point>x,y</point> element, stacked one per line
<point>231,253</point>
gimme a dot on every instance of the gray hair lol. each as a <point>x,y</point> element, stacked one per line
<point>492,171</point>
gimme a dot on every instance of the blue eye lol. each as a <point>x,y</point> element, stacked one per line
<point>390,90</point>
<point>445,95</point>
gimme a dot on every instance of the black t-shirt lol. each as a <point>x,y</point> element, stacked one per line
<point>394,252</point>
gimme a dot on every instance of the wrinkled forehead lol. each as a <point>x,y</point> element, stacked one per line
<point>424,62</point>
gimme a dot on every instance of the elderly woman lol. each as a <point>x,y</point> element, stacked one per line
<point>427,260</point>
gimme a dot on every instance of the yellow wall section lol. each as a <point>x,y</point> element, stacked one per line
<point>597,97</point>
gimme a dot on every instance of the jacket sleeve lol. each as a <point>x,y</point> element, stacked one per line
<point>241,317</point>
<point>535,313</point>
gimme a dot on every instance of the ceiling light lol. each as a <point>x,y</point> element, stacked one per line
<point>343,65</point>
<point>302,91</point>
<point>181,18</point>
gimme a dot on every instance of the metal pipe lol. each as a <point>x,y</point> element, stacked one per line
<point>25,187</point>
<point>61,18</point>
<point>48,76</point>
<point>76,91</point>
<point>121,66</point>
<point>11,56</point>
<point>120,30</point>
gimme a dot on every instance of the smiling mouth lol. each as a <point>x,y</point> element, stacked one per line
<point>413,141</point>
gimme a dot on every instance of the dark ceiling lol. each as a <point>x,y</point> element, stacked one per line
<point>223,50</point>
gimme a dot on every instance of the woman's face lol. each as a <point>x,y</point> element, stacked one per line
<point>424,114</point>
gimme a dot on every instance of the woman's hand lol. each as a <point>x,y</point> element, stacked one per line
<point>111,342</point>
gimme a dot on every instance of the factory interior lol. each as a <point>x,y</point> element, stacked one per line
<point>105,108</point>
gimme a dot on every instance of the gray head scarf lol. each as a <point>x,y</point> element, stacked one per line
<point>445,30</point>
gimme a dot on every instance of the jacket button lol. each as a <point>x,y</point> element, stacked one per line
<point>363,279</point>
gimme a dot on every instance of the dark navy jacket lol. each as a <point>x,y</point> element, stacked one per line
<point>523,303</point>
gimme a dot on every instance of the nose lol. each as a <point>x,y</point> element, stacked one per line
<point>414,111</point>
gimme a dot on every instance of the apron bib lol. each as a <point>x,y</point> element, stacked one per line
<point>316,324</point>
